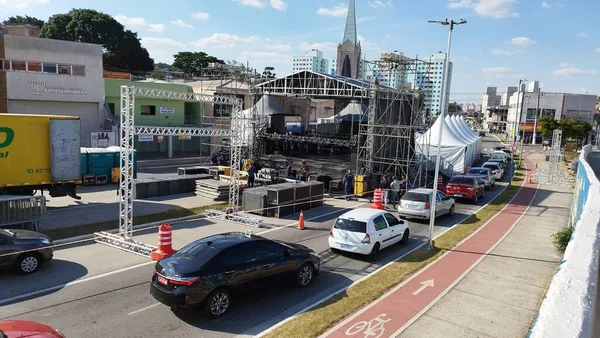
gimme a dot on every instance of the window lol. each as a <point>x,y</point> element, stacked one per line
<point>236,255</point>
<point>380,223</point>
<point>392,220</point>
<point>19,65</point>
<point>415,197</point>
<point>441,196</point>
<point>6,64</point>
<point>265,250</point>
<point>64,69</point>
<point>111,106</point>
<point>350,225</point>
<point>49,68</point>
<point>148,110</point>
<point>79,70</point>
<point>33,66</point>
<point>461,180</point>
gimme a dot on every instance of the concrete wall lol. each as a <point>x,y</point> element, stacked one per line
<point>581,106</point>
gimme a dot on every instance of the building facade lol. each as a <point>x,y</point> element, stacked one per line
<point>532,104</point>
<point>312,61</point>
<point>53,77</point>
<point>159,112</point>
<point>430,80</point>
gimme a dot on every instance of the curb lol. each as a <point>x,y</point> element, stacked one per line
<point>136,227</point>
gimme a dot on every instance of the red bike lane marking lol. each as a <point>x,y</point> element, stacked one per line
<point>391,313</point>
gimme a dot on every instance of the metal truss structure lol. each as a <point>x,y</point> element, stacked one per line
<point>317,85</point>
<point>314,139</point>
<point>124,239</point>
<point>555,174</point>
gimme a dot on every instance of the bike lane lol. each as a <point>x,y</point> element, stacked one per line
<point>396,310</point>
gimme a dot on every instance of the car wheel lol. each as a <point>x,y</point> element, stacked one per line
<point>451,212</point>
<point>218,303</point>
<point>28,263</point>
<point>305,275</point>
<point>374,252</point>
<point>405,236</point>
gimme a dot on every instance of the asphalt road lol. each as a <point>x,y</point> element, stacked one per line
<point>120,305</point>
<point>594,161</point>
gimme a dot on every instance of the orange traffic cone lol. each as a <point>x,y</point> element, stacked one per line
<point>301,221</point>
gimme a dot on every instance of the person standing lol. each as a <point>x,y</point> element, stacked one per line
<point>251,175</point>
<point>395,188</point>
<point>348,184</point>
<point>384,185</point>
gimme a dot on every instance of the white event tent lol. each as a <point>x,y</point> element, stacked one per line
<point>462,129</point>
<point>457,147</point>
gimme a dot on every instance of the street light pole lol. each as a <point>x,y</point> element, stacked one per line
<point>537,111</point>
<point>444,109</point>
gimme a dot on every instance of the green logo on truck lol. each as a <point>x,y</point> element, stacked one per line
<point>8,139</point>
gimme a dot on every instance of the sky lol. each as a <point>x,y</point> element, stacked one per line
<point>554,42</point>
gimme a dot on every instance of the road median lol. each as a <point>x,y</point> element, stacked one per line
<point>88,229</point>
<point>324,316</point>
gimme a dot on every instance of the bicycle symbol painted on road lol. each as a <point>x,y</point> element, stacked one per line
<point>372,329</point>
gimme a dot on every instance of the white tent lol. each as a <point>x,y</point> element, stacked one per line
<point>265,107</point>
<point>463,124</point>
<point>352,112</point>
<point>454,148</point>
<point>456,121</point>
<point>453,124</point>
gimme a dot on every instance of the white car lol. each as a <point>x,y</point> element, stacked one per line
<point>496,169</point>
<point>365,231</point>
<point>416,203</point>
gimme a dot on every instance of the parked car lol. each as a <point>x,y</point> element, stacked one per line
<point>24,250</point>
<point>206,272</point>
<point>485,174</point>
<point>499,161</point>
<point>496,169</point>
<point>466,187</point>
<point>366,231</point>
<point>23,328</point>
<point>416,203</point>
<point>500,154</point>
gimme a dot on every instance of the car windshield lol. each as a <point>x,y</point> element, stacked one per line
<point>350,225</point>
<point>461,180</point>
<point>415,197</point>
<point>8,233</point>
<point>478,171</point>
<point>491,166</point>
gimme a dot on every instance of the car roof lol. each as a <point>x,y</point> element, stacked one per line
<point>363,214</point>
<point>492,163</point>
<point>229,239</point>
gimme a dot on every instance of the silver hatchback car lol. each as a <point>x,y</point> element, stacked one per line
<point>485,174</point>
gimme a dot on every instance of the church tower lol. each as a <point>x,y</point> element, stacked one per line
<point>349,51</point>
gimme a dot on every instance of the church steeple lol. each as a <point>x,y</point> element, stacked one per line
<point>350,30</point>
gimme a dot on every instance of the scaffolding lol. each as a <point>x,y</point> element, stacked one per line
<point>124,239</point>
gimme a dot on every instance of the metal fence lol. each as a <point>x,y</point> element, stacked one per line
<point>22,212</point>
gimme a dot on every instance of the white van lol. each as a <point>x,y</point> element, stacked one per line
<point>500,155</point>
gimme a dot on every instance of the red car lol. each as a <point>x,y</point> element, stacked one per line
<point>23,328</point>
<point>467,187</point>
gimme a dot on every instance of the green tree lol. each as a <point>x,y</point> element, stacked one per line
<point>548,124</point>
<point>268,72</point>
<point>192,63</point>
<point>23,20</point>
<point>162,65</point>
<point>574,129</point>
<point>122,48</point>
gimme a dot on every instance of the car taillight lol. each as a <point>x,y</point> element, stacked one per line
<point>367,239</point>
<point>427,205</point>
<point>331,233</point>
<point>183,281</point>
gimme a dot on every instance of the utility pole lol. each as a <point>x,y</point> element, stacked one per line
<point>444,109</point>
<point>537,112</point>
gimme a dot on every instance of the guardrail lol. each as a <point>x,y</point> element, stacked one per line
<point>570,308</point>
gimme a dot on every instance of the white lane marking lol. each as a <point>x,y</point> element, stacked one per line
<point>310,219</point>
<point>372,273</point>
<point>79,281</point>
<point>143,309</point>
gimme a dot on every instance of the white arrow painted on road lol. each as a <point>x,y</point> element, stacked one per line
<point>424,285</point>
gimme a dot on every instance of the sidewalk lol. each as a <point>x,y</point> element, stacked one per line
<point>468,293</point>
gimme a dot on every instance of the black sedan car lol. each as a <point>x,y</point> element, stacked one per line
<point>206,272</point>
<point>24,250</point>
